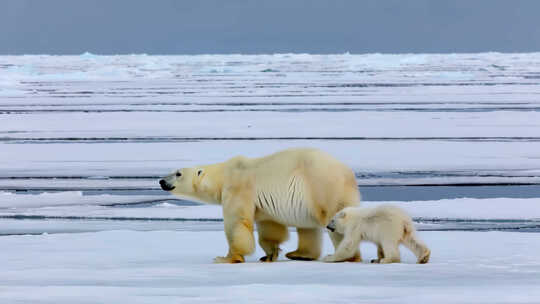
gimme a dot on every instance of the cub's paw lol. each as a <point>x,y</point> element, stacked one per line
<point>425,257</point>
<point>229,260</point>
<point>389,260</point>
<point>330,259</point>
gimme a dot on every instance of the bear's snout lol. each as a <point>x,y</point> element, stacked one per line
<point>331,226</point>
<point>165,186</point>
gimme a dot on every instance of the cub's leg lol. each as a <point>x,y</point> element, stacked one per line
<point>336,238</point>
<point>271,234</point>
<point>238,216</point>
<point>391,252</point>
<point>418,248</point>
<point>346,250</point>
<point>380,254</point>
<point>309,245</point>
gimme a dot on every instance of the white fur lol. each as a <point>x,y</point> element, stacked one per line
<point>285,201</point>
<point>386,225</point>
<point>302,188</point>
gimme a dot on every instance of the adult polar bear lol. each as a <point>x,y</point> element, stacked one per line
<point>303,188</point>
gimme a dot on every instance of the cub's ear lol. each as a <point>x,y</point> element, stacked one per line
<point>199,172</point>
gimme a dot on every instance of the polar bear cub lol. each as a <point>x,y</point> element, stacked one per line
<point>385,225</point>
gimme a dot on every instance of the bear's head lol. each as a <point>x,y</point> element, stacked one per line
<point>202,184</point>
<point>339,221</point>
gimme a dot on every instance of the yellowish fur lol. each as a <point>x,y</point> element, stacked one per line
<point>302,188</point>
<point>387,226</point>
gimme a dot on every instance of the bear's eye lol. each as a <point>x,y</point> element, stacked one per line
<point>199,173</point>
<point>178,174</point>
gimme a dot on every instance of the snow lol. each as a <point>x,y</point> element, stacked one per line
<point>405,124</point>
<point>157,266</point>
<point>468,208</point>
<point>11,200</point>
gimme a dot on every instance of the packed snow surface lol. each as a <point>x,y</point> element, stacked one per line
<point>157,266</point>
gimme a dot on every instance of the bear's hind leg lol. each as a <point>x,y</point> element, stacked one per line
<point>418,248</point>
<point>380,254</point>
<point>309,245</point>
<point>390,252</point>
<point>271,235</point>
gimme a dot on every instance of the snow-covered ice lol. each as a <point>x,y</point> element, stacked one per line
<point>158,266</point>
<point>73,204</point>
<point>10,200</point>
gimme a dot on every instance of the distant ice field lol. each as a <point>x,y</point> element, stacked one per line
<point>476,114</point>
<point>112,125</point>
<point>69,212</point>
<point>454,139</point>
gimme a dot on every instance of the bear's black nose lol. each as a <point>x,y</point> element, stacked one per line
<point>165,186</point>
<point>330,228</point>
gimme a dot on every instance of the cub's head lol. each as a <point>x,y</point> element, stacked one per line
<point>339,221</point>
<point>193,184</point>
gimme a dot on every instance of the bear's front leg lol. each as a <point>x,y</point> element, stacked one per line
<point>347,250</point>
<point>336,238</point>
<point>238,215</point>
<point>330,259</point>
<point>229,259</point>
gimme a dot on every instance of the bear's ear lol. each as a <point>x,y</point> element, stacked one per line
<point>199,173</point>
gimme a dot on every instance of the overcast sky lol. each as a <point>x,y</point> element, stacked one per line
<point>268,26</point>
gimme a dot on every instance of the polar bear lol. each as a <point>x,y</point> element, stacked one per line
<point>385,225</point>
<point>302,188</point>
